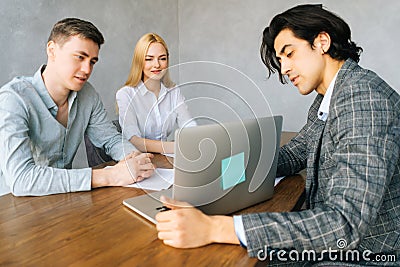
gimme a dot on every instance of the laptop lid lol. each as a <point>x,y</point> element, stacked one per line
<point>221,168</point>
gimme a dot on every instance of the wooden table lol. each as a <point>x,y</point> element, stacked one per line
<point>95,229</point>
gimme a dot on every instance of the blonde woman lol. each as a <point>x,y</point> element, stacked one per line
<point>150,105</point>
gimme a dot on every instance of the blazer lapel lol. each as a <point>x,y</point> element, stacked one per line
<point>313,161</point>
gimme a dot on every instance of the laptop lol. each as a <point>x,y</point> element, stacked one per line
<point>220,168</point>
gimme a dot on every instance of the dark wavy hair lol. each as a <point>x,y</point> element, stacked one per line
<point>68,27</point>
<point>306,22</point>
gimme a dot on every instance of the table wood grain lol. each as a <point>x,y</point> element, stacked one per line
<point>95,229</point>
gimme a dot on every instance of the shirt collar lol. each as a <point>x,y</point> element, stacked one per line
<point>41,89</point>
<point>71,99</point>
<point>143,90</point>
<point>323,110</point>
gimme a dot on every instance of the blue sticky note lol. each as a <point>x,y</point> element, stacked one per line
<point>232,169</point>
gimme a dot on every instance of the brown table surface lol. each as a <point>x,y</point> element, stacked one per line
<point>95,229</point>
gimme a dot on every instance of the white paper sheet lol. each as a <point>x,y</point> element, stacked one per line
<point>278,179</point>
<point>161,179</point>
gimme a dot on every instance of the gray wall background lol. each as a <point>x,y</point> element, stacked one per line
<point>226,32</point>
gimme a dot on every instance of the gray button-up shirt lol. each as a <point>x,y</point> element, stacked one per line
<point>36,151</point>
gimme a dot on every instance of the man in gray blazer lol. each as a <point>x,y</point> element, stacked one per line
<point>350,147</point>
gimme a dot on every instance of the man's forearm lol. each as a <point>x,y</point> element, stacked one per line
<point>100,178</point>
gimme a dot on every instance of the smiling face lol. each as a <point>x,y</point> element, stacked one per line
<point>72,62</point>
<point>303,65</point>
<point>155,62</point>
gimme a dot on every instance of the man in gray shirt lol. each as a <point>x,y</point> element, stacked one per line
<point>44,118</point>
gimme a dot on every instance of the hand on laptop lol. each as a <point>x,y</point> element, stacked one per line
<point>187,227</point>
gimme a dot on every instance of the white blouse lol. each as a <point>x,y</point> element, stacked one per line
<point>142,114</point>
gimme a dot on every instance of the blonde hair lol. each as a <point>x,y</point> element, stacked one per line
<point>136,72</point>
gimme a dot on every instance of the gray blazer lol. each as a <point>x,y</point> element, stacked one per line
<point>353,166</point>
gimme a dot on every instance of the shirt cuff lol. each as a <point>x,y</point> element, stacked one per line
<point>239,230</point>
<point>79,179</point>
